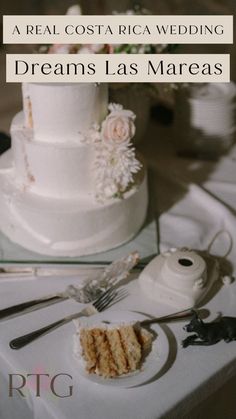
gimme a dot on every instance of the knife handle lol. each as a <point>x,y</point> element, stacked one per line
<point>24,340</point>
<point>180,315</point>
<point>29,306</point>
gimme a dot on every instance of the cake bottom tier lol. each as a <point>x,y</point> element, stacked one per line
<point>61,227</point>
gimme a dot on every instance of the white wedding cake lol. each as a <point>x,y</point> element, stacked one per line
<point>71,185</point>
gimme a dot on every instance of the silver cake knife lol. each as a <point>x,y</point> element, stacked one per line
<point>112,275</point>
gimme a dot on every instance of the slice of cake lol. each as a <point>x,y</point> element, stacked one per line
<point>112,351</point>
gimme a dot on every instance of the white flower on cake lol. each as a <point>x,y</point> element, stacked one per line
<point>93,135</point>
<point>115,169</point>
<point>115,163</point>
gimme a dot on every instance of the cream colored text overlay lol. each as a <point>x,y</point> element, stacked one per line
<point>103,68</point>
<point>117,29</point>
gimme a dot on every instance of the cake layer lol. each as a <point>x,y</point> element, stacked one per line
<point>74,227</point>
<point>111,350</point>
<point>49,169</point>
<point>63,112</point>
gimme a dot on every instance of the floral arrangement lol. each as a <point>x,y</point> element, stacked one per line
<point>115,162</point>
<point>107,48</point>
<point>140,48</point>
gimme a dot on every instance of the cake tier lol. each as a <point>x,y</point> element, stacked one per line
<point>60,227</point>
<point>63,112</point>
<point>50,169</point>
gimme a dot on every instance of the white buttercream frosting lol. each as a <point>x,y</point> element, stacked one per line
<point>50,169</point>
<point>68,227</point>
<point>47,197</point>
<point>65,112</point>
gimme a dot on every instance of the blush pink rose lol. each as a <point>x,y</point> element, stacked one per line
<point>118,127</point>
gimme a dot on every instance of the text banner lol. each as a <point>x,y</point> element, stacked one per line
<point>117,29</point>
<point>103,68</point>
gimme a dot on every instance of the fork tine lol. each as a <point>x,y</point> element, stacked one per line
<point>113,297</point>
<point>103,296</point>
<point>121,294</point>
<point>104,302</point>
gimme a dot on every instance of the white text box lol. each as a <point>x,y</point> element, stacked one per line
<point>127,29</point>
<point>104,68</point>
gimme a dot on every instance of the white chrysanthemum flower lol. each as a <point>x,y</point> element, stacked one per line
<point>93,135</point>
<point>115,167</point>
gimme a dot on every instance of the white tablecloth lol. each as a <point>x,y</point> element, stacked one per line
<point>180,190</point>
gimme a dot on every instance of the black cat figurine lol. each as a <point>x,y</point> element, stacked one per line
<point>210,333</point>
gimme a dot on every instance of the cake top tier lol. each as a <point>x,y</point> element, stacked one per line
<point>63,112</point>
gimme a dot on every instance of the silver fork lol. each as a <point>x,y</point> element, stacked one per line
<point>98,305</point>
<point>91,289</point>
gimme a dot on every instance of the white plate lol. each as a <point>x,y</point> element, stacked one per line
<point>153,362</point>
